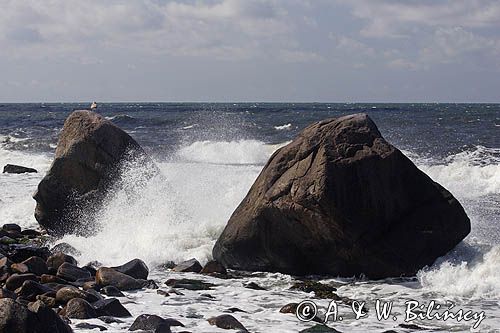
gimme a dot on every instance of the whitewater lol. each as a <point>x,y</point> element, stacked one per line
<point>179,214</point>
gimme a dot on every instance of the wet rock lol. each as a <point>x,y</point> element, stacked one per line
<point>64,295</point>
<point>227,322</point>
<point>320,329</point>
<point>20,252</point>
<point>411,327</point>
<point>109,277</point>
<point>16,318</point>
<point>191,265</point>
<point>289,308</point>
<point>30,233</point>
<point>135,268</point>
<point>162,293</point>
<point>47,300</point>
<point>56,260</point>
<point>35,265</point>
<point>254,286</point>
<point>111,307</point>
<point>340,200</point>
<point>47,278</point>
<point>48,320</point>
<point>5,263</point>
<point>66,249</point>
<point>88,326</point>
<point>17,280</point>
<point>233,310</point>
<point>109,320</point>
<point>189,284</point>
<point>5,293</point>
<point>79,308</point>
<point>154,323</point>
<point>72,272</point>
<point>12,168</point>
<point>112,291</point>
<point>91,285</point>
<point>89,154</point>
<point>11,227</point>
<point>6,240</point>
<point>29,290</point>
<point>213,267</point>
<point>320,290</point>
<point>166,265</point>
<point>148,284</point>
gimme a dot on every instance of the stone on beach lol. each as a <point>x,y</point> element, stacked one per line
<point>106,276</point>
<point>340,200</point>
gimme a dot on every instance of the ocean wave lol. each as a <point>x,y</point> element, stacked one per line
<point>283,127</point>
<point>121,118</point>
<point>469,271</point>
<point>228,152</point>
<point>468,174</point>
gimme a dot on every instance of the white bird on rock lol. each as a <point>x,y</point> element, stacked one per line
<point>93,106</point>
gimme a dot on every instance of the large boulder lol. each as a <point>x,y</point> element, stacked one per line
<point>89,155</point>
<point>340,200</point>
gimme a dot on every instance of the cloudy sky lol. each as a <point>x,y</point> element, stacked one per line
<point>246,50</point>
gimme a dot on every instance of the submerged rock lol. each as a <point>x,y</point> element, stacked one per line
<point>87,162</point>
<point>157,324</point>
<point>227,322</point>
<point>340,200</point>
<point>12,168</point>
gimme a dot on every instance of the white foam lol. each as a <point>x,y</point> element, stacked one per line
<point>228,152</point>
<point>283,127</point>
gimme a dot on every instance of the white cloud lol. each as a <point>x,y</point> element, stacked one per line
<point>225,29</point>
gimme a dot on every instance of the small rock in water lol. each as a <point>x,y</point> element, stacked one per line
<point>135,268</point>
<point>109,320</point>
<point>112,291</point>
<point>227,322</point>
<point>111,307</point>
<point>87,326</point>
<point>320,290</point>
<point>213,267</point>
<point>191,265</point>
<point>254,286</point>
<point>320,329</point>
<point>411,327</point>
<point>189,284</point>
<point>233,310</point>
<point>162,292</point>
<point>12,168</point>
<point>154,323</point>
<point>289,308</point>
<point>72,272</point>
<point>166,265</point>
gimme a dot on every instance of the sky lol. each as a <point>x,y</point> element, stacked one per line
<point>250,50</point>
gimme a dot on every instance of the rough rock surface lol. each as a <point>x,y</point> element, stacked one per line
<point>88,157</point>
<point>341,200</point>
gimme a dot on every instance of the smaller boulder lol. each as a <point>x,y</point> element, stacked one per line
<point>157,324</point>
<point>31,289</point>
<point>191,265</point>
<point>214,267</point>
<point>135,268</point>
<point>72,272</point>
<point>64,295</point>
<point>12,168</point>
<point>227,322</point>
<point>56,260</point>
<point>35,265</point>
<point>106,276</point>
<point>111,307</point>
<point>17,280</point>
<point>79,308</point>
<point>11,227</point>
<point>112,291</point>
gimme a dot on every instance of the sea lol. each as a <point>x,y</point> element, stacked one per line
<point>209,154</point>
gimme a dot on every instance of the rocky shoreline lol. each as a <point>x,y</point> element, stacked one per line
<point>45,290</point>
